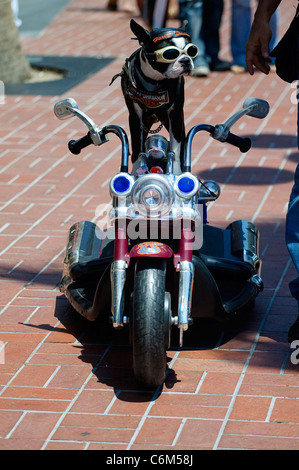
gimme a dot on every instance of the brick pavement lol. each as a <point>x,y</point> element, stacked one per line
<point>66,384</point>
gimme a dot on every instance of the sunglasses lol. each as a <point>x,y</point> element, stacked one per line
<point>172,53</point>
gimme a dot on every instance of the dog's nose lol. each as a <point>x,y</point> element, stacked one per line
<point>185,60</point>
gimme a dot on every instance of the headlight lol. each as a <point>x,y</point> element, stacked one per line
<point>121,184</point>
<point>186,185</point>
<point>152,195</point>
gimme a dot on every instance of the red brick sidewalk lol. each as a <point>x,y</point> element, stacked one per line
<point>65,384</point>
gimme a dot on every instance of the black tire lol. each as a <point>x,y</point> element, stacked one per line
<point>150,325</point>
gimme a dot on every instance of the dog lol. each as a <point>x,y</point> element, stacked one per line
<point>152,82</point>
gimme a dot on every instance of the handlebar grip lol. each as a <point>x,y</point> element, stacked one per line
<point>243,143</point>
<point>75,146</point>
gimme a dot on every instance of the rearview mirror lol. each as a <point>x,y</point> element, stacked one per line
<point>63,109</point>
<point>259,108</point>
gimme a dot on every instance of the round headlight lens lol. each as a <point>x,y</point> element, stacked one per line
<point>186,185</point>
<point>152,195</point>
<point>121,184</point>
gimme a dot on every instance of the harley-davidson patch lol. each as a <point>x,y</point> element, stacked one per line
<point>148,99</point>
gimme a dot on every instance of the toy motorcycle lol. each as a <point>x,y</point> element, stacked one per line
<point>158,246</point>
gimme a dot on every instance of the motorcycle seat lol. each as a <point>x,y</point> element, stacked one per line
<point>227,268</point>
<point>93,267</point>
<point>216,253</point>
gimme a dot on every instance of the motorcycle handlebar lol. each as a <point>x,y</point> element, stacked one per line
<point>243,143</point>
<point>75,146</point>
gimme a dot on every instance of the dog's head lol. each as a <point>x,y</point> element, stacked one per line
<point>169,51</point>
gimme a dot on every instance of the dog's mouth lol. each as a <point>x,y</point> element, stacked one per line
<point>179,68</point>
<point>188,68</point>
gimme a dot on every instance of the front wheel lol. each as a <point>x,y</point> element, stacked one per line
<point>151,322</point>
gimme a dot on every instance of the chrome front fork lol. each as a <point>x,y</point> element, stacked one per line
<point>118,279</point>
<point>186,281</point>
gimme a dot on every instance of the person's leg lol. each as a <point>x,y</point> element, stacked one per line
<point>274,28</point>
<point>212,15</point>
<point>148,11</point>
<point>240,29</point>
<point>292,234</point>
<point>213,10</point>
<point>160,14</point>
<point>193,13</point>
<point>292,242</point>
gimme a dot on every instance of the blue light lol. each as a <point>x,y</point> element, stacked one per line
<point>121,184</point>
<point>186,184</point>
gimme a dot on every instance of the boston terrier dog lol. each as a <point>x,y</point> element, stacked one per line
<point>153,86</point>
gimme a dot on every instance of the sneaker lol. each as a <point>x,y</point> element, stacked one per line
<point>201,71</point>
<point>112,5</point>
<point>294,331</point>
<point>237,69</point>
<point>220,66</point>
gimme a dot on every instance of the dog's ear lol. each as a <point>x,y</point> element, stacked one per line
<point>142,34</point>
